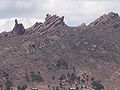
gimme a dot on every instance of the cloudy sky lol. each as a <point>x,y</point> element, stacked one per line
<point>75,11</point>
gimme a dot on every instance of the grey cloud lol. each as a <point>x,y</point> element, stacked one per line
<point>20,8</point>
<point>69,8</point>
<point>75,11</point>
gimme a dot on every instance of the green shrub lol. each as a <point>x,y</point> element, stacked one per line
<point>97,85</point>
<point>62,64</point>
<point>36,77</point>
<point>62,77</point>
<point>9,84</point>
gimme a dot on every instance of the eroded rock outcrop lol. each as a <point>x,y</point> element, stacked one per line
<point>18,28</point>
<point>83,26</point>
<point>105,20</point>
<point>50,23</point>
<point>51,48</point>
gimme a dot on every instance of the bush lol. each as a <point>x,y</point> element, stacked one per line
<point>62,64</point>
<point>22,87</point>
<point>73,77</point>
<point>62,77</point>
<point>97,85</point>
<point>36,77</point>
<point>8,84</point>
<point>57,88</point>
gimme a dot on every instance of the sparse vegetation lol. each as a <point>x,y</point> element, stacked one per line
<point>62,64</point>
<point>62,77</point>
<point>9,85</point>
<point>36,77</point>
<point>56,54</point>
<point>22,87</point>
<point>97,85</point>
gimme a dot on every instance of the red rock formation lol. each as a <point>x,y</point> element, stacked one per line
<point>105,20</point>
<point>93,49</point>
<point>50,22</point>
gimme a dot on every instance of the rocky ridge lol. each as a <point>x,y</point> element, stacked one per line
<point>51,22</point>
<point>52,48</point>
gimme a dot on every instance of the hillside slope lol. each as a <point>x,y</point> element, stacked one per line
<point>52,48</point>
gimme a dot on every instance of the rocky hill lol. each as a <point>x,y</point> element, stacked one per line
<point>53,54</point>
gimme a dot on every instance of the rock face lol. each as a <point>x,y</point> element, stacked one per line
<point>46,51</point>
<point>18,28</point>
<point>82,26</point>
<point>51,22</point>
<point>110,19</point>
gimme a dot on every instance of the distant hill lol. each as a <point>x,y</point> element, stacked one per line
<point>39,55</point>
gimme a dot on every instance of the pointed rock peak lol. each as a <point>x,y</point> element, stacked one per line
<point>113,15</point>
<point>37,24</point>
<point>83,25</point>
<point>106,19</point>
<point>110,16</point>
<point>16,22</point>
<point>54,19</point>
<point>18,28</point>
<point>48,16</point>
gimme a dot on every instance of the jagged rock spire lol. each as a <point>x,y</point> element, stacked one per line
<point>18,28</point>
<point>16,22</point>
<point>113,15</point>
<point>47,17</point>
<point>51,22</point>
<point>56,20</point>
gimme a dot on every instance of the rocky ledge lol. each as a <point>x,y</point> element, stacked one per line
<point>51,22</point>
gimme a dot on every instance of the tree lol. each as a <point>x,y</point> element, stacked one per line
<point>22,87</point>
<point>60,84</point>
<point>77,88</point>
<point>27,78</point>
<point>82,80</point>
<point>36,77</point>
<point>9,84</point>
<point>57,88</point>
<point>97,85</point>
<point>62,77</point>
<point>78,78</point>
<point>74,69</point>
<point>53,77</point>
<point>62,64</point>
<point>73,77</point>
<point>68,75</point>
